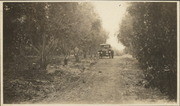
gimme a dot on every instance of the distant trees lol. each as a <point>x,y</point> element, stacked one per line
<point>149,32</point>
<point>46,29</point>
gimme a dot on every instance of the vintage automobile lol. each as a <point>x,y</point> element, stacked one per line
<point>106,50</point>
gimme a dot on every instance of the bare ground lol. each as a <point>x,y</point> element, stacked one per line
<point>109,81</point>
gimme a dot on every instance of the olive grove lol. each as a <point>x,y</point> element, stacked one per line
<point>33,33</point>
<point>149,32</point>
<point>45,29</point>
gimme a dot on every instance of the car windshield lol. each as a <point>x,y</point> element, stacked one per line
<point>105,46</point>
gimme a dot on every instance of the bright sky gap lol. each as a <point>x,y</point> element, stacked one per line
<point>111,14</point>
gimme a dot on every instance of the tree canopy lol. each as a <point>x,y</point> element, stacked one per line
<point>45,29</point>
<point>149,32</point>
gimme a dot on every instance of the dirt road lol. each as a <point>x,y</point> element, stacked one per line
<point>109,81</point>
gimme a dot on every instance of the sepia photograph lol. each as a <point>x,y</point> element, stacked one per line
<point>90,52</point>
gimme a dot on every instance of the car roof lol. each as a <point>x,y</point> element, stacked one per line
<point>104,44</point>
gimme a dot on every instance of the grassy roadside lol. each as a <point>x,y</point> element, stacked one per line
<point>32,85</point>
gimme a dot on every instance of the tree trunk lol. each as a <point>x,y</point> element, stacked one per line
<point>43,63</point>
<point>84,55</point>
<point>76,57</point>
<point>65,61</point>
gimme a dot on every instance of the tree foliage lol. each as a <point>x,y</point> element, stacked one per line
<point>46,29</point>
<point>149,32</point>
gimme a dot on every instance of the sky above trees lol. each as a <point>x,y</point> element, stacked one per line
<point>111,14</point>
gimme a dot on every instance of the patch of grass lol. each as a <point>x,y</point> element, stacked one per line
<point>26,85</point>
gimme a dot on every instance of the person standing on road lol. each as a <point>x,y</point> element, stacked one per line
<point>112,53</point>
